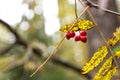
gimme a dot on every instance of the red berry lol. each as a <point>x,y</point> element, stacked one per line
<point>72,34</point>
<point>68,35</point>
<point>83,33</point>
<point>77,38</point>
<point>83,38</point>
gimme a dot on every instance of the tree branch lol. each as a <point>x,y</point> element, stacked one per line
<point>91,4</point>
<point>19,40</point>
<point>6,25</point>
<point>68,65</point>
<point>8,49</point>
<point>38,52</point>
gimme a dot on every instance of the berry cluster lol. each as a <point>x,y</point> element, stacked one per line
<point>81,37</point>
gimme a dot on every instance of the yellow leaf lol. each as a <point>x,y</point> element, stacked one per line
<point>102,71</point>
<point>65,28</point>
<point>116,37</point>
<point>79,25</point>
<point>95,60</point>
<point>112,41</point>
<point>117,33</point>
<point>117,54</point>
<point>109,74</point>
<point>85,25</point>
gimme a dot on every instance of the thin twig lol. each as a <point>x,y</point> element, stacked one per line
<point>60,43</point>
<point>76,10</point>
<point>91,4</point>
<point>51,54</point>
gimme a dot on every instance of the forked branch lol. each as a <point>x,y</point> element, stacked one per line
<point>91,4</point>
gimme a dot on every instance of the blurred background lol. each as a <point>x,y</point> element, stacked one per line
<point>29,31</point>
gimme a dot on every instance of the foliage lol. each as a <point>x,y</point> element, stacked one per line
<point>116,37</point>
<point>96,59</point>
<point>107,70</point>
<point>79,25</point>
<point>104,69</point>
